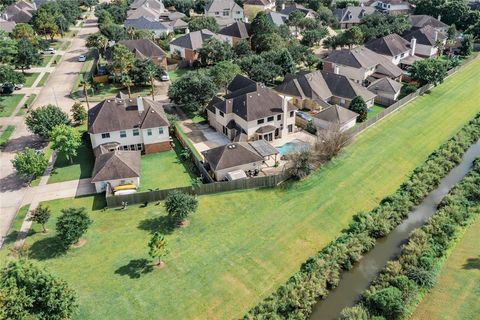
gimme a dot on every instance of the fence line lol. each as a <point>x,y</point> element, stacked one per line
<point>210,188</point>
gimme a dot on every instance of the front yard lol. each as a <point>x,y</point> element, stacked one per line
<point>30,78</point>
<point>9,103</point>
<point>241,246</point>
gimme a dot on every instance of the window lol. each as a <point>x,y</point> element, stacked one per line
<point>279,117</point>
<point>260,121</point>
<point>136,132</point>
<point>123,134</point>
<point>139,147</point>
<point>342,102</point>
<point>217,13</point>
<point>222,114</point>
<point>290,128</point>
<point>226,13</point>
<point>292,113</point>
<point>160,130</point>
<point>105,135</point>
<point>270,119</point>
<point>149,132</point>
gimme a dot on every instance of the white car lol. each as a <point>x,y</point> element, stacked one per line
<point>165,77</point>
<point>48,51</point>
<point>82,58</point>
<point>18,86</point>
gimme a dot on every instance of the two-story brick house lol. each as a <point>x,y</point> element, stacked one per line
<point>224,9</point>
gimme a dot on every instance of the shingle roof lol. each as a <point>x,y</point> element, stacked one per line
<point>422,20</point>
<point>194,40</point>
<point>144,49</point>
<point>7,26</point>
<point>257,2</point>
<point>385,85</point>
<point>425,36</point>
<point>391,45</point>
<point>278,19</point>
<point>239,82</point>
<point>122,114</point>
<point>238,30</point>
<point>145,12</point>
<point>220,5</point>
<point>336,114</point>
<point>116,165</point>
<point>153,4</point>
<point>296,7</point>
<point>231,155</point>
<point>352,14</point>
<point>143,23</point>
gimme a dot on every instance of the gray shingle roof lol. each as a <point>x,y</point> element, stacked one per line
<point>278,19</point>
<point>145,12</point>
<point>239,82</point>
<point>336,114</point>
<point>422,20</point>
<point>231,155</point>
<point>385,85</point>
<point>352,14</point>
<point>144,49</point>
<point>143,23</point>
<point>116,165</point>
<point>7,26</point>
<point>194,40</point>
<point>296,7</point>
<point>220,5</point>
<point>425,36</point>
<point>238,30</point>
<point>391,45</point>
<point>153,4</point>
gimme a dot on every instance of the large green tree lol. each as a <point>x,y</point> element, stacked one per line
<point>202,22</point>
<point>24,31</point>
<point>145,71</point>
<point>79,114</point>
<point>261,28</point>
<point>72,225</point>
<point>44,23</point>
<point>122,60</point>
<point>224,72</point>
<point>42,120</point>
<point>179,205</point>
<point>313,37</point>
<point>29,292</point>
<point>27,55</point>
<point>66,140</point>
<point>9,76</point>
<point>98,42</point>
<point>386,302</point>
<point>8,48</point>
<point>428,71</point>
<point>359,106</point>
<point>214,51</point>
<point>30,164</point>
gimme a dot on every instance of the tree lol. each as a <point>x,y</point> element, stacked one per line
<point>158,247</point>
<point>72,225</point>
<point>268,42</point>
<point>41,121</point>
<point>113,32</point>
<point>98,42</point>
<point>377,25</point>
<point>123,59</point>
<point>40,215</point>
<point>8,75</point>
<point>353,36</point>
<point>331,42</point>
<point>8,48</point>
<point>214,51</point>
<point>429,71</point>
<point>24,31</point>
<point>127,82</point>
<point>313,37</point>
<point>354,313</point>
<point>294,19</point>
<point>193,91</point>
<point>261,28</point>
<point>29,292</point>
<point>202,22</point>
<point>224,72</point>
<point>30,164</point>
<point>312,61</point>
<point>179,205</point>
<point>328,145</point>
<point>300,164</point>
<point>265,72</point>
<point>467,45</point>
<point>386,302</point>
<point>359,106</point>
<point>406,90</point>
<point>27,55</point>
<point>79,114</point>
<point>145,71</point>
<point>242,49</point>
<point>66,140</point>
<point>44,23</point>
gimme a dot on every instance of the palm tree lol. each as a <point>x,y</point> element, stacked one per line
<point>85,84</point>
<point>131,33</point>
<point>127,82</point>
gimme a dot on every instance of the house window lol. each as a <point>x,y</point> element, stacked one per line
<point>123,134</point>
<point>160,130</point>
<point>139,147</point>
<point>136,132</point>
<point>292,113</point>
<point>342,102</point>
<point>105,135</point>
<point>217,13</point>
<point>279,117</point>
<point>270,119</point>
<point>226,13</point>
<point>260,121</point>
<point>290,128</point>
<point>221,113</point>
<point>149,132</point>
<point>238,12</point>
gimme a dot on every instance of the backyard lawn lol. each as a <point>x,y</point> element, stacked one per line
<point>374,110</point>
<point>9,103</point>
<point>241,246</point>
<point>175,74</point>
<point>457,292</point>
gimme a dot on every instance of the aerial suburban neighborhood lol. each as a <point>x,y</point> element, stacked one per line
<point>240,159</point>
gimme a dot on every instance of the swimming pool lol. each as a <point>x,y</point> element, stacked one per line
<point>292,147</point>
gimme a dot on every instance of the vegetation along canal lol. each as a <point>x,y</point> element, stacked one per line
<point>357,279</point>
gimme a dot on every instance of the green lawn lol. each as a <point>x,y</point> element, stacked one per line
<point>28,103</point>
<point>44,79</point>
<point>45,60</point>
<point>15,227</point>
<point>175,74</point>
<point>164,170</point>
<point>456,294</point>
<point>241,246</point>
<point>30,78</point>
<point>374,110</point>
<point>6,134</point>
<point>82,166</point>
<point>9,103</point>
<point>109,90</point>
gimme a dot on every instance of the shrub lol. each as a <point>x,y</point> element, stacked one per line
<point>386,302</point>
<point>179,205</point>
<point>71,225</point>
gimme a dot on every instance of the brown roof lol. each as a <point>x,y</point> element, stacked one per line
<point>391,45</point>
<point>238,30</point>
<point>386,85</point>
<point>122,114</point>
<point>336,114</point>
<point>231,155</point>
<point>194,40</point>
<point>116,165</point>
<point>352,14</point>
<point>422,20</point>
<point>144,49</point>
<point>425,35</point>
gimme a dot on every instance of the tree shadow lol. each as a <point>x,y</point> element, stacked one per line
<point>472,263</point>
<point>135,268</point>
<point>162,224</point>
<point>47,248</point>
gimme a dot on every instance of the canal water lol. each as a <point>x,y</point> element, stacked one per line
<point>357,280</point>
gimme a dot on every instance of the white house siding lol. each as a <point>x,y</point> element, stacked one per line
<point>357,74</point>
<point>425,50</point>
<point>396,59</point>
<point>325,124</point>
<point>101,186</point>
<point>130,139</point>
<point>220,174</point>
<point>253,125</point>
<point>174,48</point>
<point>156,137</point>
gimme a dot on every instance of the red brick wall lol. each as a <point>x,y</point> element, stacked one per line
<point>157,147</point>
<point>328,66</point>
<point>190,55</point>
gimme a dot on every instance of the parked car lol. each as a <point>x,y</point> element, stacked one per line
<point>304,116</point>
<point>18,86</point>
<point>6,89</point>
<point>165,77</point>
<point>48,51</point>
<point>82,58</point>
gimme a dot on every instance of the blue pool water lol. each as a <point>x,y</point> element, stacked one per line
<point>292,147</point>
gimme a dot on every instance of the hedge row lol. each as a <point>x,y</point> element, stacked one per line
<point>403,282</point>
<point>321,272</point>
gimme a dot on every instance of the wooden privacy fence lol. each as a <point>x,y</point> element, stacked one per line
<point>210,188</point>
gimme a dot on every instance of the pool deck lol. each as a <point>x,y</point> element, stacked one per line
<point>300,135</point>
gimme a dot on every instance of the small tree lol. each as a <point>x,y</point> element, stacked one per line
<point>66,140</point>
<point>312,61</point>
<point>158,248</point>
<point>328,145</point>
<point>30,164</point>
<point>300,164</point>
<point>41,121</point>
<point>359,106</point>
<point>179,205</point>
<point>72,225</point>
<point>428,71</point>
<point>202,22</point>
<point>79,114</point>
<point>40,215</point>
<point>467,45</point>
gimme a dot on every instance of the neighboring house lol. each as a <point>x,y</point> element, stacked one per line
<point>143,12</point>
<point>309,13</point>
<point>361,65</point>
<point>7,26</point>
<point>335,116</point>
<point>224,9</point>
<point>392,47</point>
<point>20,12</point>
<point>254,110</point>
<point>321,89</point>
<point>152,4</point>
<point>146,49</point>
<point>386,91</point>
<point>393,7</point>
<point>424,41</point>
<point>116,168</point>
<point>174,20</point>
<point>252,7</point>
<point>186,46</point>
<point>232,157</point>
<point>277,18</point>
<point>157,27</point>
<point>422,20</point>
<point>119,123</point>
<point>235,32</point>
<point>351,16</point>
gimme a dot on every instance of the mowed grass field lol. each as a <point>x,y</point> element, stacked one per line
<point>241,246</point>
<point>456,296</point>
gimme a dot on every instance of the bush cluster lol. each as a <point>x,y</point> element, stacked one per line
<point>321,272</point>
<point>399,287</point>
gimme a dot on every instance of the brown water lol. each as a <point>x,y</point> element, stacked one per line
<point>356,280</point>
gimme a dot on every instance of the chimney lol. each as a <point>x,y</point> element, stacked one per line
<point>283,6</point>
<point>436,35</point>
<point>245,20</point>
<point>285,116</point>
<point>439,17</point>
<point>336,69</point>
<point>187,31</point>
<point>140,105</point>
<point>413,44</point>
